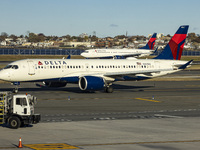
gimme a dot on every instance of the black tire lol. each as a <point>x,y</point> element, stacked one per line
<point>14,122</point>
<point>109,89</point>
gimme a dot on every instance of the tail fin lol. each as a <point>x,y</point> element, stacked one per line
<point>173,50</point>
<point>151,42</point>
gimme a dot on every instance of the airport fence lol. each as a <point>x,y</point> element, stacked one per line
<point>7,51</point>
<point>185,53</point>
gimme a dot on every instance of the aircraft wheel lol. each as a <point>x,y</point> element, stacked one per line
<point>109,89</point>
<point>15,90</point>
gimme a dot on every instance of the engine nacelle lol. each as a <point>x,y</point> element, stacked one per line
<point>91,83</point>
<point>55,84</point>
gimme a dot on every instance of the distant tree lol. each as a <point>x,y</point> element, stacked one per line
<point>120,36</point>
<point>168,35</point>
<point>41,37</point>
<point>32,37</point>
<point>68,37</point>
<point>21,36</point>
<point>86,38</point>
<point>193,38</point>
<point>94,38</point>
<point>3,36</point>
<point>14,37</point>
<point>36,38</point>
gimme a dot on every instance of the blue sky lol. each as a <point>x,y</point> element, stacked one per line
<point>105,17</point>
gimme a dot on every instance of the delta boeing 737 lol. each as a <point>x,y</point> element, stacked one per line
<point>98,74</point>
<point>121,53</point>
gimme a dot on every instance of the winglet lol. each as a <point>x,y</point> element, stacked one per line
<point>68,57</point>
<point>185,65</point>
<point>151,42</point>
<point>174,48</point>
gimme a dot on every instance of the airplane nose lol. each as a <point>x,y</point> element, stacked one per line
<point>83,54</point>
<point>4,76</point>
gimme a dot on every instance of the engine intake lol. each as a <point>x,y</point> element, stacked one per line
<point>91,83</point>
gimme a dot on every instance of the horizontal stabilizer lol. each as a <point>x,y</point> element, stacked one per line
<point>185,65</point>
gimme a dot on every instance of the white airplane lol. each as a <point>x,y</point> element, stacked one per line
<point>98,74</point>
<point>125,52</point>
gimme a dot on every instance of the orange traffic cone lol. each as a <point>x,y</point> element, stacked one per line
<point>20,143</point>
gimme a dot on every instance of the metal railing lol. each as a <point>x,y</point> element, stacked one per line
<point>8,51</point>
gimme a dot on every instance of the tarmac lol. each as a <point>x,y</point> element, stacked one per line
<point>141,134</point>
<point>144,115</point>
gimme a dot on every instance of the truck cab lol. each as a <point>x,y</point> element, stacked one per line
<point>18,109</point>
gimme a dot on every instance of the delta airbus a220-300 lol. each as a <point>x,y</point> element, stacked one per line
<point>98,74</point>
<point>122,53</point>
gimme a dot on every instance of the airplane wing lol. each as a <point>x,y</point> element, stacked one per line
<point>145,72</point>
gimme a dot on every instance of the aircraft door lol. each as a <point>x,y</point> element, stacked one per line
<point>31,67</point>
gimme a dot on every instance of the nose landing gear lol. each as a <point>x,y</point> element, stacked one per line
<point>15,90</point>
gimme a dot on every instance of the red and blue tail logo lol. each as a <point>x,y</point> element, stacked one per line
<point>151,42</point>
<point>174,48</point>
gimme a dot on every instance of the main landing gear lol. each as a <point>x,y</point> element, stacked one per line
<point>108,89</point>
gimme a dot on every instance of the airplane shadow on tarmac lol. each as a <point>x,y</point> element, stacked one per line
<point>76,89</point>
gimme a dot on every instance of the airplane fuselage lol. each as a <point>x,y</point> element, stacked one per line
<point>71,70</point>
<point>105,53</point>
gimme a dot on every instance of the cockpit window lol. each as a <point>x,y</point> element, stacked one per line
<point>11,66</point>
<point>15,67</point>
<point>7,67</point>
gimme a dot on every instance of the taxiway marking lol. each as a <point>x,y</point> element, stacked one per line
<point>148,100</point>
<point>50,146</point>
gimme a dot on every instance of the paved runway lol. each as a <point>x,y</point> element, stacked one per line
<point>143,115</point>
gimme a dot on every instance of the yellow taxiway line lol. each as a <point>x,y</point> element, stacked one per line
<point>149,100</point>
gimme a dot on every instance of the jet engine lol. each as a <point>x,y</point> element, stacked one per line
<point>91,83</point>
<point>55,84</point>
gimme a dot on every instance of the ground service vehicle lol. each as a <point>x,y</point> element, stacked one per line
<point>17,110</point>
